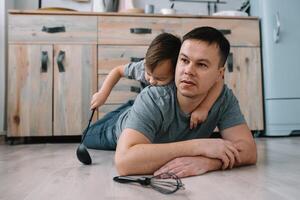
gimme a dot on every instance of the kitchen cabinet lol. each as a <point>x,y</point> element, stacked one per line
<point>49,89</point>
<point>50,80</point>
<point>81,48</point>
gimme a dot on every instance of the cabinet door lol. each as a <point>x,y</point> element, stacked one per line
<point>29,107</point>
<point>74,83</point>
<point>243,76</point>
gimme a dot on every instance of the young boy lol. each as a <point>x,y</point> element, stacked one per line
<point>156,69</point>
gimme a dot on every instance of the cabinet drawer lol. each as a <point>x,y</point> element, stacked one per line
<point>122,92</point>
<point>238,31</point>
<point>134,30</point>
<point>112,56</point>
<point>52,29</point>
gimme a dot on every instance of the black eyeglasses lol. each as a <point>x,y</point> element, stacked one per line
<point>166,183</point>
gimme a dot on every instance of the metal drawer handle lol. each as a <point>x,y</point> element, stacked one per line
<point>57,29</point>
<point>60,59</point>
<point>276,32</point>
<point>230,62</point>
<point>135,59</point>
<point>141,30</point>
<point>44,60</point>
<point>225,31</point>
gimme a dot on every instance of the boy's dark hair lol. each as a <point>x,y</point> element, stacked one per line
<point>211,36</point>
<point>164,46</point>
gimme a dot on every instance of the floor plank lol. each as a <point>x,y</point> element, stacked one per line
<point>51,171</point>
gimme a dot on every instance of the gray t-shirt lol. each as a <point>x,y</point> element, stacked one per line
<point>136,71</point>
<point>157,115</point>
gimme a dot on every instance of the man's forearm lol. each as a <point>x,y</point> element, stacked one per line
<point>145,158</point>
<point>247,153</point>
<point>136,155</point>
<point>243,141</point>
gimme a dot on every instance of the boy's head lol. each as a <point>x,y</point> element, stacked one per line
<point>161,58</point>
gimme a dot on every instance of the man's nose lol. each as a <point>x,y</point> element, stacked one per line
<point>189,69</point>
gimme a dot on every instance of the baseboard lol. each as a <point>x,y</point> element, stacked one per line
<point>2,139</point>
<point>2,133</point>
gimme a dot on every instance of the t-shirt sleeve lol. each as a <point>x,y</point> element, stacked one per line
<point>231,114</point>
<point>136,71</point>
<point>145,116</point>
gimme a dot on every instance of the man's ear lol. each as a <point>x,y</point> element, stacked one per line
<point>221,73</point>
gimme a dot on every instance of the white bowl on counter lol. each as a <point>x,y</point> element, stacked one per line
<point>168,11</point>
<point>231,13</point>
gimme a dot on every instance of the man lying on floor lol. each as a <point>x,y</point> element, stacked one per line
<point>154,136</point>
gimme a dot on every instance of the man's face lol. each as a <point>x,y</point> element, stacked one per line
<point>197,68</point>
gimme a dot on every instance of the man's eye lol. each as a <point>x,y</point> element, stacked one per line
<point>184,60</point>
<point>202,65</point>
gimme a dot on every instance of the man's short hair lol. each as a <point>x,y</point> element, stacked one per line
<point>165,46</point>
<point>211,36</point>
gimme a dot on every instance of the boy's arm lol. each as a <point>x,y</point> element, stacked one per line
<point>110,81</point>
<point>200,113</point>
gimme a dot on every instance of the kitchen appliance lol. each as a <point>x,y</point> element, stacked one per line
<point>280,31</point>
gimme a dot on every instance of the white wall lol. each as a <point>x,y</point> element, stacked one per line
<point>26,4</point>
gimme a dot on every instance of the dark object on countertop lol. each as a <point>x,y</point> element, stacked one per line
<point>82,152</point>
<point>245,7</point>
<point>166,183</point>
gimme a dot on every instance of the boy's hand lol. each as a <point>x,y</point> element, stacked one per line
<point>97,100</point>
<point>197,117</point>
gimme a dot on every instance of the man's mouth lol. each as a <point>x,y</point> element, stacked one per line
<point>188,82</point>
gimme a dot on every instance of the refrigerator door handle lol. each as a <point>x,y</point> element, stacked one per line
<point>276,32</point>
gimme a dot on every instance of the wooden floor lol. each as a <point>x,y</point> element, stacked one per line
<point>51,171</point>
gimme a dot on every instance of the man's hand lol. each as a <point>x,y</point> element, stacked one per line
<point>221,149</point>
<point>197,117</point>
<point>98,99</point>
<point>189,166</point>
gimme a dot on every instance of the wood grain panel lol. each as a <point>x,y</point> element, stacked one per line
<point>245,81</point>
<point>110,56</point>
<point>121,92</point>
<point>73,88</point>
<point>243,32</point>
<point>116,29</point>
<point>28,29</point>
<point>29,91</point>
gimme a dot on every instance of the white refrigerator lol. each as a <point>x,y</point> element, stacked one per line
<point>280,31</point>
